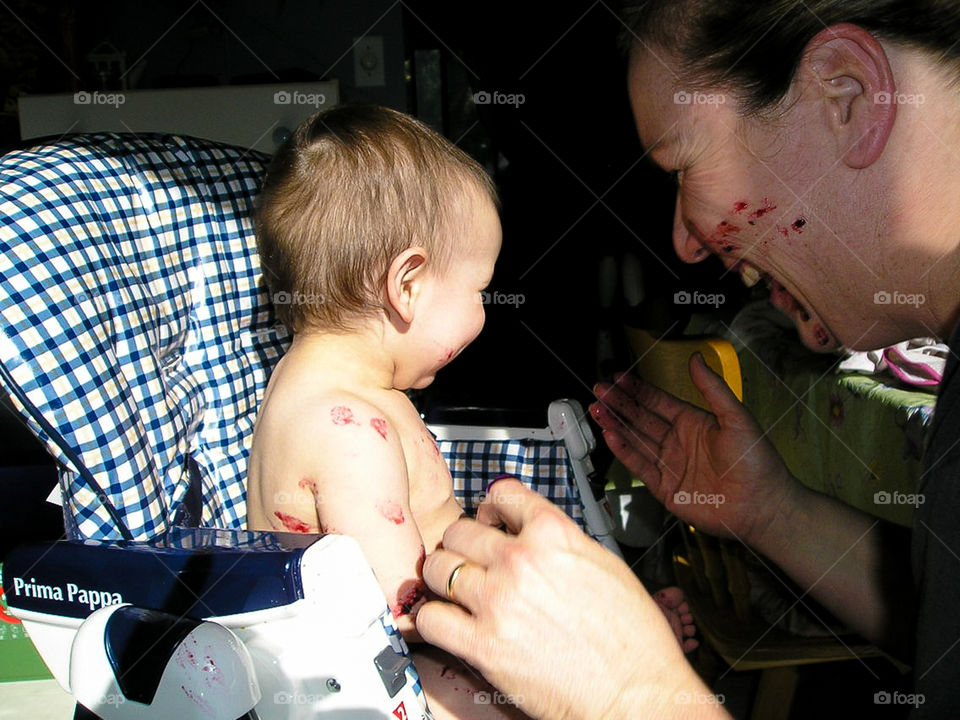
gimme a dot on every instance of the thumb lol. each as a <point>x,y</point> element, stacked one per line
<point>715,390</point>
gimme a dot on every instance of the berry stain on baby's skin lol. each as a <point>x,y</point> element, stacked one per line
<point>342,415</point>
<point>392,512</point>
<point>410,593</point>
<point>380,425</point>
<point>292,523</point>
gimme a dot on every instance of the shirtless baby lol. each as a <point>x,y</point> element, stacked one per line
<point>381,235</point>
<point>376,237</point>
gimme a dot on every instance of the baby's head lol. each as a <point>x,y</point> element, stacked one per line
<point>349,193</point>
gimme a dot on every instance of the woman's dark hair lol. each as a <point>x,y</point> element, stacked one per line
<point>752,48</point>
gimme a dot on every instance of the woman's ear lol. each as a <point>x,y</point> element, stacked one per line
<point>848,67</point>
<point>404,281</point>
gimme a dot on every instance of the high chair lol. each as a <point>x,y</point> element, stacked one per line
<point>138,340</point>
<point>713,572</point>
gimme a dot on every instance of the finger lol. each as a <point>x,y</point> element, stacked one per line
<point>641,442</point>
<point>512,504</point>
<point>713,388</point>
<point>624,407</point>
<point>437,568</point>
<point>477,541</point>
<point>634,459</point>
<point>448,626</point>
<point>658,401</point>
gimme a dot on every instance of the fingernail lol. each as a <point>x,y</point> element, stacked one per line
<point>497,479</point>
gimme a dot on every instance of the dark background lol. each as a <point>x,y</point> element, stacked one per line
<point>570,170</point>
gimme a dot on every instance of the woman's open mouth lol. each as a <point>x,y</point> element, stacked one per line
<point>813,332</point>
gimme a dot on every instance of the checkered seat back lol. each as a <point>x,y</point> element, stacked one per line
<point>137,333</point>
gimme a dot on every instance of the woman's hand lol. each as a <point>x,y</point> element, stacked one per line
<point>555,621</point>
<point>716,471</point>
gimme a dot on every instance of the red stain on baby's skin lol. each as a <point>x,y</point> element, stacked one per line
<point>740,206</point>
<point>308,484</point>
<point>292,523</point>
<point>410,593</point>
<point>392,512</point>
<point>342,415</point>
<point>782,230</point>
<point>380,425</point>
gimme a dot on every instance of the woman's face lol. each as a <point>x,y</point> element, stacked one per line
<point>766,197</point>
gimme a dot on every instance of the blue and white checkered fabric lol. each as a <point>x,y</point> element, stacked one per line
<point>539,464</point>
<point>135,321</point>
<point>134,318</point>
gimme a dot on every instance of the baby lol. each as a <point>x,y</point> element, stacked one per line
<point>376,237</point>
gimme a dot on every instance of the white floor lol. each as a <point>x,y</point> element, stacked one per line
<point>36,700</point>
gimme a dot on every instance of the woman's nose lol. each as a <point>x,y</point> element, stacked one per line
<point>688,248</point>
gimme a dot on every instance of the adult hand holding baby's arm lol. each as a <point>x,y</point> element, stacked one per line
<point>552,618</point>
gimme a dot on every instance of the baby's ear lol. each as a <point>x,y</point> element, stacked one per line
<point>404,280</point>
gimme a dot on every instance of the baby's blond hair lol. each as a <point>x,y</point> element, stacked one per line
<point>351,189</point>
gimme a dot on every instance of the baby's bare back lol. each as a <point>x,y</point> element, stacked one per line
<point>328,457</point>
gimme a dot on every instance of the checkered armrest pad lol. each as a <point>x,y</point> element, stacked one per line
<point>135,321</point>
<point>539,464</point>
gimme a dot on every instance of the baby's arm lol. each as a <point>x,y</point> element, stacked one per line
<point>352,463</point>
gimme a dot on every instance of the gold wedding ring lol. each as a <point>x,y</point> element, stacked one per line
<point>452,579</point>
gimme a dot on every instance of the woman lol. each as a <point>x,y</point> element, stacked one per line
<point>815,144</point>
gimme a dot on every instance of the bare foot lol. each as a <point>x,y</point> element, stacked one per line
<point>677,612</point>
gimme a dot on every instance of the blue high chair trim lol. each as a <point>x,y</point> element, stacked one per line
<point>135,320</point>
<point>539,464</point>
<point>191,573</point>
